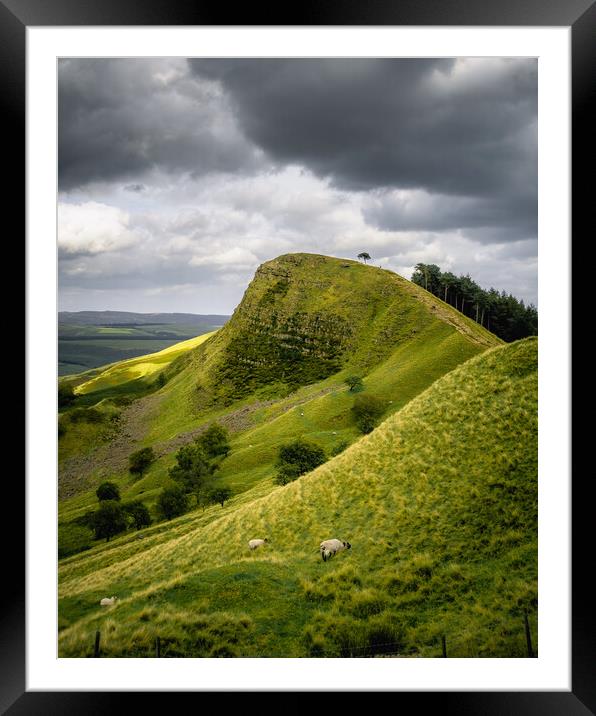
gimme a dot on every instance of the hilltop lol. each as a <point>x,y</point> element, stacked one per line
<point>439,503</point>
<point>275,371</point>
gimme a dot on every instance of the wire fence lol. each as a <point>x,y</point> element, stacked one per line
<point>388,649</point>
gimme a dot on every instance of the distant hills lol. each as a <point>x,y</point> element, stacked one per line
<point>88,339</point>
<point>118,318</point>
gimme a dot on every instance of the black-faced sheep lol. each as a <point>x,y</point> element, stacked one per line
<point>254,543</point>
<point>330,547</point>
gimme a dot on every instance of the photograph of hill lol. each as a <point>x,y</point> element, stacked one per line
<point>298,358</point>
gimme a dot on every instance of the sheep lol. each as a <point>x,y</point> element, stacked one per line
<point>255,543</point>
<point>108,601</point>
<point>330,547</point>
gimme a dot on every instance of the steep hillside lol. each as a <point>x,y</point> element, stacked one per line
<point>141,368</point>
<point>274,372</point>
<point>439,504</point>
<point>305,317</point>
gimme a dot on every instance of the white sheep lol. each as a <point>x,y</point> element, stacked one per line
<point>254,543</point>
<point>330,547</point>
<point>108,601</point>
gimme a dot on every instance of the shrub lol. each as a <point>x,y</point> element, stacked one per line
<point>66,395</point>
<point>140,460</point>
<point>109,520</point>
<point>108,491</point>
<point>354,382</point>
<point>172,502</point>
<point>193,469</point>
<point>367,410</point>
<point>85,415</point>
<point>297,458</point>
<point>138,514</point>
<point>214,441</point>
<point>219,495</point>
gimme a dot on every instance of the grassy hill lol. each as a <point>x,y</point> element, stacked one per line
<point>439,503</point>
<point>141,368</point>
<point>274,372</point>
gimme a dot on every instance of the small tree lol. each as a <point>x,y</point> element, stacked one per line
<point>193,470</point>
<point>109,520</point>
<point>219,495</point>
<point>66,395</point>
<point>295,459</point>
<point>138,514</point>
<point>172,502</point>
<point>367,410</point>
<point>354,382</point>
<point>108,491</point>
<point>364,256</point>
<point>140,460</point>
<point>214,441</point>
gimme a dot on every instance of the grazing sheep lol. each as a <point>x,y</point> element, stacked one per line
<point>254,543</point>
<point>108,601</point>
<point>330,547</point>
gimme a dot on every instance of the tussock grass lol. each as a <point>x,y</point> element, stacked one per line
<point>439,503</point>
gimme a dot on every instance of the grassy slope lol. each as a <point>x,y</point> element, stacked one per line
<point>401,340</point>
<point>139,368</point>
<point>439,503</point>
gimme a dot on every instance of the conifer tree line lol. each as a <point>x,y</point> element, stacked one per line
<point>499,312</point>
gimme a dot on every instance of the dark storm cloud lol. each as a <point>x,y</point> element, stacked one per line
<point>505,218</point>
<point>119,118</point>
<point>452,128</point>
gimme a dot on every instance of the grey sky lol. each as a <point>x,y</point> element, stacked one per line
<point>179,177</point>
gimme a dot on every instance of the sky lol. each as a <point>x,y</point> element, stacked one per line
<point>179,177</point>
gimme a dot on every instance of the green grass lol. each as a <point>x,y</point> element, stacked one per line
<point>139,368</point>
<point>399,339</point>
<point>85,346</point>
<point>439,503</point>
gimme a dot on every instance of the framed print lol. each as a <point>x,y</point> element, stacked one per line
<point>271,443</point>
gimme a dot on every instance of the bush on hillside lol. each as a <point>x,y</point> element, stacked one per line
<point>214,441</point>
<point>354,382</point>
<point>296,458</point>
<point>66,395</point>
<point>86,415</point>
<point>367,410</point>
<point>220,495</point>
<point>109,520</point>
<point>138,514</point>
<point>140,460</point>
<point>172,502</point>
<point>108,491</point>
<point>193,469</point>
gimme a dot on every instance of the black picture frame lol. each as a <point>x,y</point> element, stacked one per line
<point>580,16</point>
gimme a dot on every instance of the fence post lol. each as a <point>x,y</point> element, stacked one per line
<point>444,645</point>
<point>528,636</point>
<point>96,648</point>
<point>157,648</point>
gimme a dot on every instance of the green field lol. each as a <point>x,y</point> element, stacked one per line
<point>459,416</point>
